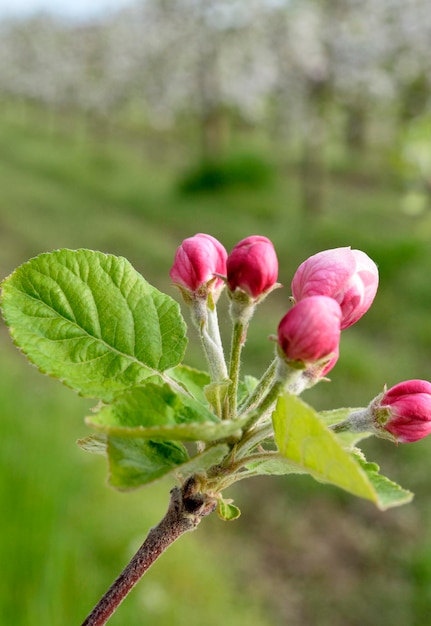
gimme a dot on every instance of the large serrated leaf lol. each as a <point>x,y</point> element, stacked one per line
<point>304,440</point>
<point>92,320</point>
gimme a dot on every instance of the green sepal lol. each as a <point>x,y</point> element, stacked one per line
<point>91,320</point>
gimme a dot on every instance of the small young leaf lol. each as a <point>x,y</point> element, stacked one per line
<point>136,462</point>
<point>246,387</point>
<point>216,394</point>
<point>227,511</point>
<point>203,461</point>
<point>304,440</point>
<point>91,320</point>
<point>275,467</point>
<point>191,379</point>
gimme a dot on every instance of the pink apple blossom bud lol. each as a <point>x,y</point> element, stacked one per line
<point>310,332</point>
<point>252,266</point>
<point>197,262</point>
<point>348,276</point>
<point>404,411</point>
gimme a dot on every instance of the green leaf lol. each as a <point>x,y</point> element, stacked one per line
<point>389,493</point>
<point>304,440</point>
<point>154,404</point>
<point>216,394</point>
<point>338,415</point>
<point>246,387</point>
<point>275,467</point>
<point>227,511</point>
<point>92,320</point>
<point>96,444</point>
<point>191,379</point>
<point>136,462</point>
<point>155,411</point>
<point>203,461</point>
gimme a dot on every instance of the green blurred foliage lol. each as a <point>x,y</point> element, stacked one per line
<point>301,553</point>
<point>237,170</point>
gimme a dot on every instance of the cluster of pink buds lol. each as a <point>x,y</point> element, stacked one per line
<point>331,291</point>
<point>348,276</point>
<point>202,265</point>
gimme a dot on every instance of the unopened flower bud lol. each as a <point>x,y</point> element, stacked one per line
<point>252,266</point>
<point>348,276</point>
<point>404,411</point>
<point>198,261</point>
<point>310,332</point>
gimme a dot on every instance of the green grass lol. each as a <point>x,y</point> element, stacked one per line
<point>302,553</point>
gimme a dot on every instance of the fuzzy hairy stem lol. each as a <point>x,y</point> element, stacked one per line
<point>261,389</point>
<point>239,331</point>
<point>187,507</point>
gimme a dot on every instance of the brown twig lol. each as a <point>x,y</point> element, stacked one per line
<point>187,507</point>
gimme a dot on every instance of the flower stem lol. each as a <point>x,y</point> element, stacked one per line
<point>356,422</point>
<point>205,320</point>
<point>285,378</point>
<point>239,330</point>
<point>260,389</point>
<point>186,509</point>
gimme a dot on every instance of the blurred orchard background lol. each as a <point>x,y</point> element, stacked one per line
<point>129,129</point>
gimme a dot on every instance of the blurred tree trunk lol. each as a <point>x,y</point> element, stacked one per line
<point>313,170</point>
<point>414,98</point>
<point>214,129</point>
<point>356,126</point>
<point>313,164</point>
<point>212,116</point>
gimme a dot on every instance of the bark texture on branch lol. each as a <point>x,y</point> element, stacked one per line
<point>187,507</point>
